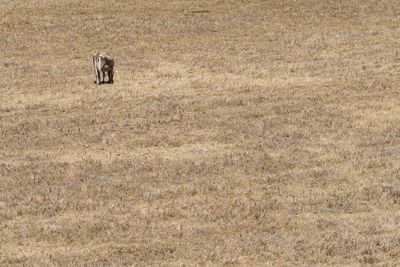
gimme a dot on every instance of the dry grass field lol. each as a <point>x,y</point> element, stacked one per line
<point>237,133</point>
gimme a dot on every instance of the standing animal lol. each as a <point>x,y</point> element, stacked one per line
<point>103,63</point>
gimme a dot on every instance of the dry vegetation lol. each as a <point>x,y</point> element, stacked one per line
<point>236,133</point>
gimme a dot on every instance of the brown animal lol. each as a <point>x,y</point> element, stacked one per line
<point>103,63</point>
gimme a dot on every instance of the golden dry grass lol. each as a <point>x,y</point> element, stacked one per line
<point>237,133</point>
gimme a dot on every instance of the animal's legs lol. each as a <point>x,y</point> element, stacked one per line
<point>96,71</point>
<point>110,76</point>
<point>98,77</point>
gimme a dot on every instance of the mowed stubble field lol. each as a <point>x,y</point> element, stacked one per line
<point>236,133</point>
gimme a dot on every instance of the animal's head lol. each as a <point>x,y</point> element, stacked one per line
<point>110,62</point>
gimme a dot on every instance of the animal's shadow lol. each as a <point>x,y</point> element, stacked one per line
<point>103,82</point>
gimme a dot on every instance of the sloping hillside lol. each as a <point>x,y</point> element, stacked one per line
<point>236,133</point>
